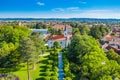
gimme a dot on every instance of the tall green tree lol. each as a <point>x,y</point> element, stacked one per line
<point>113,55</point>
<point>84,30</point>
<point>39,46</point>
<point>27,50</point>
<point>10,37</point>
<point>88,61</point>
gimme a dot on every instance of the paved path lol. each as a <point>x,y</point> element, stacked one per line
<point>60,67</point>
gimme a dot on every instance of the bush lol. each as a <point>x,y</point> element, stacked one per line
<point>54,74</point>
<point>49,66</point>
<point>50,61</point>
<point>67,78</point>
<point>45,78</point>
<point>47,73</point>
<point>48,69</point>
<point>55,69</point>
<point>54,78</point>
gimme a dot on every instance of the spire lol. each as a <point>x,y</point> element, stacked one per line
<point>65,29</point>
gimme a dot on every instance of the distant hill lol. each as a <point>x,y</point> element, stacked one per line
<point>62,19</point>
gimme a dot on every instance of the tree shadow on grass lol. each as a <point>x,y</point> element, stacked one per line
<point>43,61</point>
<point>43,74</point>
<point>42,78</point>
<point>12,69</point>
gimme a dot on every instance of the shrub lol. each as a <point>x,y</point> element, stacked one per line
<point>50,61</point>
<point>67,78</point>
<point>54,78</point>
<point>45,78</point>
<point>47,73</point>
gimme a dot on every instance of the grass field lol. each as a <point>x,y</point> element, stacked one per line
<point>34,74</point>
<point>46,68</point>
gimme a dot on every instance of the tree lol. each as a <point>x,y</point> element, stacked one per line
<point>59,32</point>
<point>76,30</point>
<point>99,31</point>
<point>56,44</point>
<point>10,37</point>
<point>40,25</point>
<point>39,46</point>
<point>27,50</point>
<point>113,55</point>
<point>84,30</point>
<point>88,61</point>
<point>95,32</point>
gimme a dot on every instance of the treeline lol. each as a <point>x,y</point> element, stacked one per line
<point>96,31</point>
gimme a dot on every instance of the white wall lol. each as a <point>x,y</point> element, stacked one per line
<point>63,43</point>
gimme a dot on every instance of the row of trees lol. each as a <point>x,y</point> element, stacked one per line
<point>54,32</point>
<point>96,31</point>
<point>85,60</point>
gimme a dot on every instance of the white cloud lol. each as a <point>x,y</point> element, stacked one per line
<point>69,9</point>
<point>98,14</point>
<point>82,2</point>
<point>40,3</point>
<point>73,9</point>
<point>58,10</point>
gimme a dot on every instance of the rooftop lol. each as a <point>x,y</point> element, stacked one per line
<point>57,37</point>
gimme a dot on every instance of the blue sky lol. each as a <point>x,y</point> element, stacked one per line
<point>60,8</point>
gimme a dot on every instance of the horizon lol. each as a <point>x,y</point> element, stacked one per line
<point>100,9</point>
<point>54,18</point>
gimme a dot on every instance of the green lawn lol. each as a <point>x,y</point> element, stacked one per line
<point>46,69</point>
<point>34,74</point>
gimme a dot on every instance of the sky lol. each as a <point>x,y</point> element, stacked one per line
<point>60,9</point>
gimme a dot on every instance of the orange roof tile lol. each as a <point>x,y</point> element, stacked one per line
<point>108,37</point>
<point>57,37</point>
<point>58,26</point>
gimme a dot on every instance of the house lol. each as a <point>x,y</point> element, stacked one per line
<point>58,26</point>
<point>63,27</point>
<point>64,40</point>
<point>113,41</point>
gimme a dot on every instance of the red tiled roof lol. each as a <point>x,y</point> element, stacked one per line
<point>115,49</point>
<point>108,38</point>
<point>116,30</point>
<point>61,26</point>
<point>57,37</point>
<point>68,26</point>
<point>58,26</point>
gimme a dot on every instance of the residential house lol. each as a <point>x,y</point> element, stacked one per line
<point>63,27</point>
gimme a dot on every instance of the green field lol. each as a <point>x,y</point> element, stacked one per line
<point>34,74</point>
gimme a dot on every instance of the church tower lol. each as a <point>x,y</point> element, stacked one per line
<point>65,32</point>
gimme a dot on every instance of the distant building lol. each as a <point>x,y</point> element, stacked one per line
<point>22,24</point>
<point>63,27</point>
<point>113,41</point>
